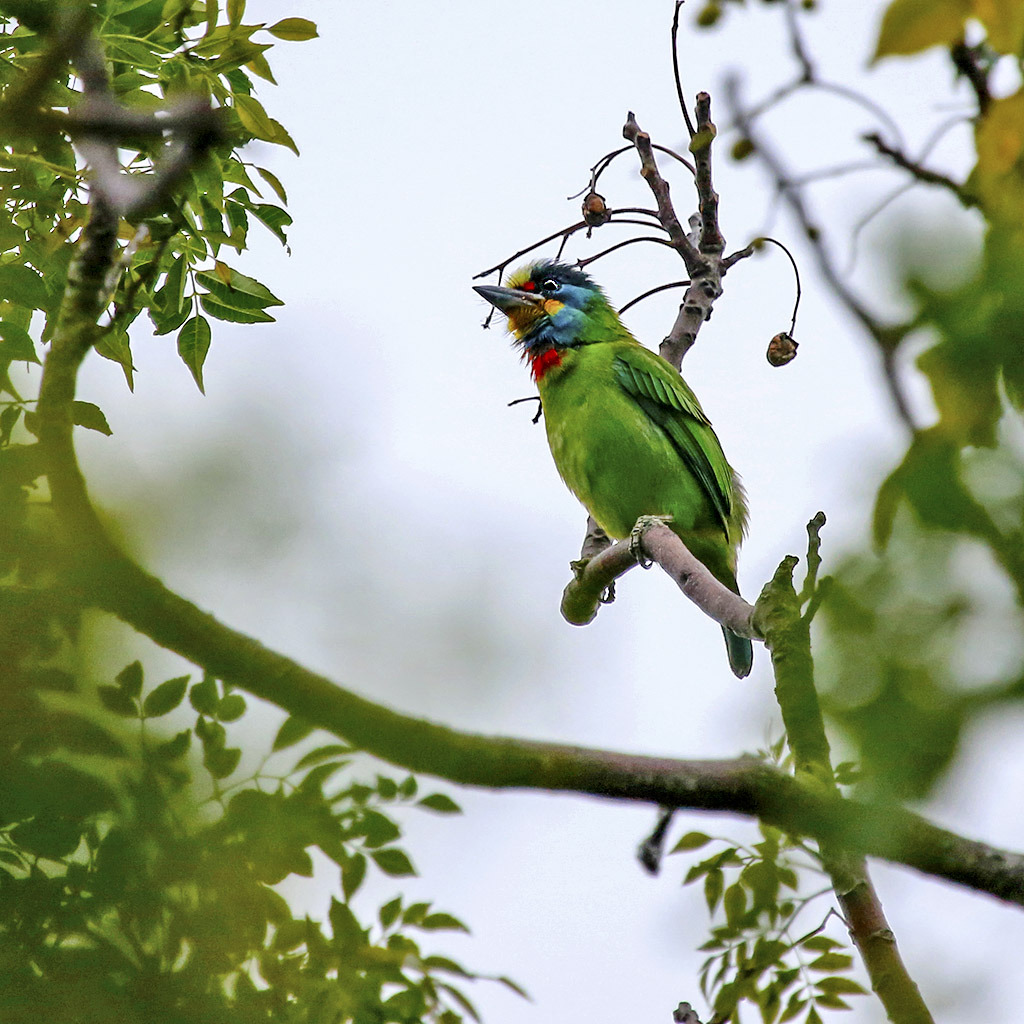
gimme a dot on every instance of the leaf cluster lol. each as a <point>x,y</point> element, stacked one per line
<point>157,53</point>
<point>128,894</point>
<point>752,892</point>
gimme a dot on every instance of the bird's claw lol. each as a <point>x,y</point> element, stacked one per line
<point>636,537</point>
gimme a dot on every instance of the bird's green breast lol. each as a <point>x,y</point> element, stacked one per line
<point>611,455</point>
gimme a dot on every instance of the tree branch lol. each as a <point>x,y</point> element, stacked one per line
<point>582,596</point>
<point>108,579</point>
<point>787,636</point>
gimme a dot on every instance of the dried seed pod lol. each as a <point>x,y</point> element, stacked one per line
<point>782,349</point>
<point>595,211</point>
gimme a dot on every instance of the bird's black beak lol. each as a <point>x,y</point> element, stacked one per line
<point>508,300</point>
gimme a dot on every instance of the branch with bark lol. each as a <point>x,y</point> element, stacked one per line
<point>105,577</point>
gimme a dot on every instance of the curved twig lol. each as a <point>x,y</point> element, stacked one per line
<point>675,69</point>
<point>650,292</point>
<point>581,263</point>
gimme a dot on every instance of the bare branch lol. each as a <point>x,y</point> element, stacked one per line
<point>971,63</point>
<point>921,173</point>
<point>581,598</point>
<point>660,189</point>
<point>711,240</point>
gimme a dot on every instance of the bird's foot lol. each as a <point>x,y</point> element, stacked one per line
<point>636,536</point>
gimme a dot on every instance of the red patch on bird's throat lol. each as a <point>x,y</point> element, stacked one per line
<point>540,364</point>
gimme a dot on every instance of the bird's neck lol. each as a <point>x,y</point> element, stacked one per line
<point>542,361</point>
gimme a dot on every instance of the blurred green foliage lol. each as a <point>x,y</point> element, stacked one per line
<point>137,866</point>
<point>138,862</point>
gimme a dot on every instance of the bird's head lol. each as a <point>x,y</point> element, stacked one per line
<point>550,304</point>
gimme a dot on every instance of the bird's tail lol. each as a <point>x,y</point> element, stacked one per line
<point>741,653</point>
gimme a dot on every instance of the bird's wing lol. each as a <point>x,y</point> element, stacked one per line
<point>664,396</point>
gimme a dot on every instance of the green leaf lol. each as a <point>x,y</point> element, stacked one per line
<point>346,928</point>
<point>171,293</point>
<point>165,698</point>
<point>22,286</point>
<point>842,986</point>
<point>909,26</point>
<point>289,934</point>
<point>442,922</point>
<point>231,708</point>
<point>85,414</point>
<point>118,701</point>
<point>378,829</point>
<point>292,731</point>
<point>734,904</point>
<point>221,761</point>
<point>164,322</point>
<point>8,420</point>
<point>15,344</point>
<point>236,289</point>
<point>509,983</point>
<point>713,885</point>
<point>254,118</point>
<point>175,747</point>
<point>274,182</point>
<point>203,697</point>
<point>114,345</point>
<point>440,803</point>
<point>294,30</point>
<point>386,787</point>
<point>219,311</point>
<point>388,913</point>
<point>691,841</point>
<point>129,679</point>
<point>393,862</point>
<point>793,1008</point>
<point>832,962</point>
<point>324,753</point>
<point>353,871</point>
<point>415,913</point>
<point>274,217</point>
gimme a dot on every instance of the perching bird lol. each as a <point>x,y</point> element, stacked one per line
<point>628,436</point>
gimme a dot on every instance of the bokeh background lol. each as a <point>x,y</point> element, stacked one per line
<point>354,491</point>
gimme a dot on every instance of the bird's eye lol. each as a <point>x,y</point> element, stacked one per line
<point>550,286</point>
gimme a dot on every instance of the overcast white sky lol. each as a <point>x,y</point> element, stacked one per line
<point>354,491</point>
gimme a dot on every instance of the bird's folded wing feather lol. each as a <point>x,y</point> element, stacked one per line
<point>664,396</point>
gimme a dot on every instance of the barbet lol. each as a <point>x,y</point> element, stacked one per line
<point>627,434</point>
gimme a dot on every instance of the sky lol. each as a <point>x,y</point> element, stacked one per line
<point>354,490</point>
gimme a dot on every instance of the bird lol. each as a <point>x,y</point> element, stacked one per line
<point>627,434</point>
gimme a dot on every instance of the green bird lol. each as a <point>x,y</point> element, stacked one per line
<point>627,434</point>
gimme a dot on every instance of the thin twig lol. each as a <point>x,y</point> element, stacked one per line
<point>675,69</point>
<point>887,337</point>
<point>919,172</point>
<point>652,291</point>
<point>581,263</point>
